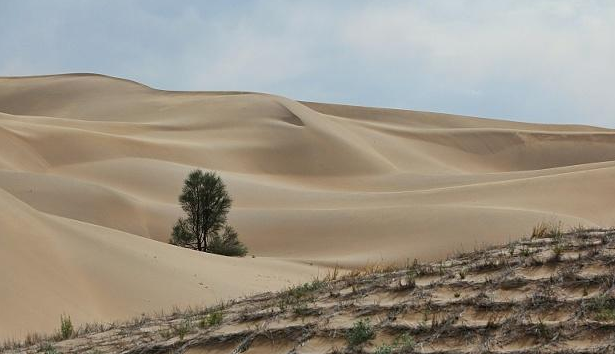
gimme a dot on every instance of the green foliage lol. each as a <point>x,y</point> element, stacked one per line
<point>47,348</point>
<point>212,319</point>
<point>360,333</point>
<point>305,289</point>
<point>603,308</point>
<point>384,349</point>
<point>297,296</point>
<point>227,244</point>
<point>66,327</point>
<point>558,251</point>
<point>184,328</point>
<point>301,309</point>
<point>404,342</point>
<point>206,203</point>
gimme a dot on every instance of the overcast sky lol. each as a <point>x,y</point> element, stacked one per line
<point>534,60</point>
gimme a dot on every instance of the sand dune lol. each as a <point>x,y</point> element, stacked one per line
<point>91,166</point>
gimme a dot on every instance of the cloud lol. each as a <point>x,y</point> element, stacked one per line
<point>540,60</point>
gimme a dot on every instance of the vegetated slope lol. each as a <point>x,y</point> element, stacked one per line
<point>91,166</point>
<point>551,294</point>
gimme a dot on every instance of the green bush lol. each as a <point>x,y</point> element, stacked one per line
<point>360,333</point>
<point>66,327</point>
<point>603,308</point>
<point>404,342</point>
<point>47,348</point>
<point>384,349</point>
<point>227,244</point>
<point>212,319</point>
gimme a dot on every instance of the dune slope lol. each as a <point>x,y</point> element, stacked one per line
<point>91,166</point>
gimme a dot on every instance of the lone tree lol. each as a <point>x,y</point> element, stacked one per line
<point>206,203</point>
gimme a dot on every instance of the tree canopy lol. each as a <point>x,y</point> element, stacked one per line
<point>206,203</point>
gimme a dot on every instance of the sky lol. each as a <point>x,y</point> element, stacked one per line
<point>537,60</point>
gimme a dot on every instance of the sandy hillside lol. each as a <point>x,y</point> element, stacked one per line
<point>551,294</point>
<point>91,166</point>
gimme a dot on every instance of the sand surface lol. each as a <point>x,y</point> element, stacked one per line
<point>91,166</point>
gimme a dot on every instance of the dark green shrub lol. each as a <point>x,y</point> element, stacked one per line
<point>360,333</point>
<point>227,244</point>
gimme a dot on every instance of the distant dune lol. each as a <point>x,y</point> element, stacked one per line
<point>91,167</point>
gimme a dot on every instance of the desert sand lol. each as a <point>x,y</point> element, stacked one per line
<point>91,167</point>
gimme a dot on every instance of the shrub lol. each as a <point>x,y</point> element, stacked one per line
<point>404,342</point>
<point>66,327</point>
<point>360,333</point>
<point>301,310</point>
<point>227,244</point>
<point>547,230</point>
<point>212,319</point>
<point>603,308</point>
<point>47,348</point>
<point>384,349</point>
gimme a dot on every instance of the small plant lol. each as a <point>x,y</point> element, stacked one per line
<point>166,334</point>
<point>462,274</point>
<point>360,333</point>
<point>457,295</point>
<point>558,251</point>
<point>184,328</point>
<point>603,308</point>
<point>301,310</point>
<point>47,348</point>
<point>296,295</point>
<point>547,230</point>
<point>66,327</point>
<point>404,342</point>
<point>305,289</point>
<point>408,282</point>
<point>384,349</point>
<point>212,319</point>
<point>542,330</point>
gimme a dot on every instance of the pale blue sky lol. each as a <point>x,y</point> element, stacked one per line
<point>534,60</point>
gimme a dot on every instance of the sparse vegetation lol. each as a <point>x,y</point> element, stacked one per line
<point>206,202</point>
<point>558,251</point>
<point>301,309</point>
<point>475,311</point>
<point>183,329</point>
<point>212,319</point>
<point>603,308</point>
<point>547,230</point>
<point>66,327</point>
<point>384,349</point>
<point>403,343</point>
<point>360,333</point>
<point>47,348</point>
<point>407,282</point>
